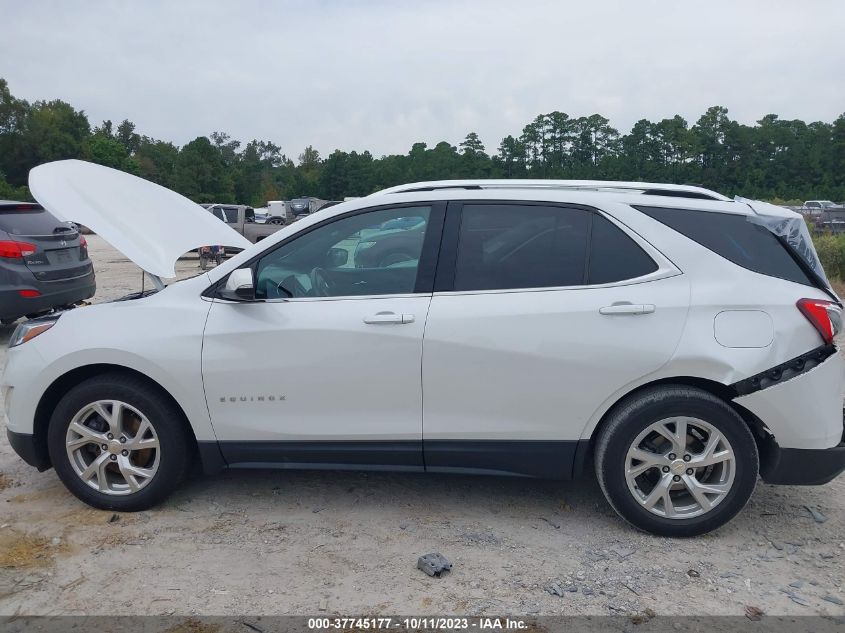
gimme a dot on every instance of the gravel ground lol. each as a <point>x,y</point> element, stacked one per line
<point>272,542</point>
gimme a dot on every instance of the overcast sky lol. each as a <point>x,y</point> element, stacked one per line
<point>381,75</point>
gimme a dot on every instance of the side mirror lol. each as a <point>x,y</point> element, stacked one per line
<point>336,257</point>
<point>239,286</point>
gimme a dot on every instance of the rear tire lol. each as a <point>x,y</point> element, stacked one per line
<point>676,461</point>
<point>128,448</point>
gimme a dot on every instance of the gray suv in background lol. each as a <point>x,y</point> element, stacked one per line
<point>44,262</point>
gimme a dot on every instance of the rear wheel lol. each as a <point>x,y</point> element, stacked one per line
<point>117,443</point>
<point>676,461</point>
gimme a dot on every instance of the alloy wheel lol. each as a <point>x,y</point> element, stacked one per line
<point>680,467</point>
<point>113,447</point>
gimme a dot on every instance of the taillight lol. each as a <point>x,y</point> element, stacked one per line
<point>826,317</point>
<point>82,241</point>
<point>16,250</point>
<point>29,294</point>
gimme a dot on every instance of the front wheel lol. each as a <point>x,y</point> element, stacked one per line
<point>118,443</point>
<point>676,461</point>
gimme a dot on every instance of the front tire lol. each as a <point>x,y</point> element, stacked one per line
<point>118,443</point>
<point>676,461</point>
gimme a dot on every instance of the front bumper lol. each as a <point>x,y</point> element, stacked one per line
<point>801,466</point>
<point>29,451</point>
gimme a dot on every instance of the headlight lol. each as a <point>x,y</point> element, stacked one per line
<point>30,329</point>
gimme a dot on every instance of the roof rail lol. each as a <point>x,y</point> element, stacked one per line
<point>609,186</point>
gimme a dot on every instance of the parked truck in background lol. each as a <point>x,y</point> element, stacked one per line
<point>826,215</point>
<point>818,206</point>
<point>242,218</point>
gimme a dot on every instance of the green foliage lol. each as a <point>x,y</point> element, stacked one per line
<point>795,202</point>
<point>202,174</point>
<point>776,159</point>
<point>106,151</point>
<point>831,250</point>
<point>8,192</point>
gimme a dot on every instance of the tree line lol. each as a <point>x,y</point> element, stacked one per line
<point>775,159</point>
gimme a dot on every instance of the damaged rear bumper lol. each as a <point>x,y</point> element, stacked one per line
<point>801,466</point>
<point>804,411</point>
<point>804,415</point>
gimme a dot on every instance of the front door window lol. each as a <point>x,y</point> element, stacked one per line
<point>373,253</point>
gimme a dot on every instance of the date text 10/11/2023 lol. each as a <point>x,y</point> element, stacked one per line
<point>416,623</point>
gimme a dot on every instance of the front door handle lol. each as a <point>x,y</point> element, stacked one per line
<point>628,308</point>
<point>385,318</point>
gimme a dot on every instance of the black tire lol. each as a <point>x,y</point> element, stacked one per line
<point>633,416</point>
<point>176,446</point>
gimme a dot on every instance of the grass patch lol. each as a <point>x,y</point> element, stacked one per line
<point>5,482</point>
<point>25,551</point>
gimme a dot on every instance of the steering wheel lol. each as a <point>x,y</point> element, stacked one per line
<point>320,286</point>
<point>290,287</point>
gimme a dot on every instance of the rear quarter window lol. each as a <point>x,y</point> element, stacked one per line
<point>735,238</point>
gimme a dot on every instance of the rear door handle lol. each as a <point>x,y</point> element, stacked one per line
<point>386,318</point>
<point>628,308</point>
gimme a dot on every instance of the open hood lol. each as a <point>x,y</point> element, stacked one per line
<point>151,225</point>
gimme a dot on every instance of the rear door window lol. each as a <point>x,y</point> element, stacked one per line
<point>513,246</point>
<point>735,238</point>
<point>614,256</point>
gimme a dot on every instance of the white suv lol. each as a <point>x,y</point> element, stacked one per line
<point>680,341</point>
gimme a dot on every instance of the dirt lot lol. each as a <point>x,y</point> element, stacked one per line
<point>266,542</point>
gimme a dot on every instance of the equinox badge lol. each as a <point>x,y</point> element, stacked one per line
<point>251,398</point>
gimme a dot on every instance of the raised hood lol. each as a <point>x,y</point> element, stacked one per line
<point>151,225</point>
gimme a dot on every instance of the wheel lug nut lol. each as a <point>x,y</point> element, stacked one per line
<point>690,471</point>
<point>110,436</point>
<point>122,440</point>
<point>687,458</point>
<point>105,447</point>
<point>112,457</point>
<point>665,468</point>
<point>124,452</point>
<point>672,455</point>
<point>676,478</point>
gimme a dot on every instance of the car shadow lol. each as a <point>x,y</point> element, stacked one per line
<point>577,507</point>
<point>549,504</point>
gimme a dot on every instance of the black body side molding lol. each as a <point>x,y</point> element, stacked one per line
<point>523,458</point>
